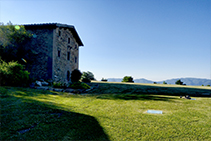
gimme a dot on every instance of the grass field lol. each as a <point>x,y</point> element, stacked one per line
<point>105,114</point>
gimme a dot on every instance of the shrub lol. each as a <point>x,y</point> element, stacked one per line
<point>85,80</point>
<point>59,85</point>
<point>104,80</point>
<point>79,85</point>
<point>75,75</point>
<point>128,79</point>
<point>179,82</point>
<point>164,82</point>
<point>87,77</point>
<point>13,74</point>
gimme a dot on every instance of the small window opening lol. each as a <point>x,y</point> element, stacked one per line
<point>59,33</point>
<point>59,52</point>
<point>68,40</point>
<point>75,59</point>
<point>68,75</point>
<point>68,56</point>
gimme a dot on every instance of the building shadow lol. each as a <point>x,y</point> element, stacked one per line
<point>111,88</point>
<point>135,97</point>
<point>40,121</point>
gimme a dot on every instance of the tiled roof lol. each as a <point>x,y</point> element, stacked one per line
<point>54,25</point>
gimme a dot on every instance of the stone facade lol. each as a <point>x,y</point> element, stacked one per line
<point>57,51</point>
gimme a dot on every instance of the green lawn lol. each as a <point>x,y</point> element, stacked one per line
<point>30,114</point>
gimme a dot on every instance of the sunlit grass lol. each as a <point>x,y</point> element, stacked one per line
<point>121,116</point>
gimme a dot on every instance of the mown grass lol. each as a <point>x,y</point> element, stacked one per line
<point>61,116</point>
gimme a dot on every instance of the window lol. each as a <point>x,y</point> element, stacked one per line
<point>59,52</point>
<point>69,47</point>
<point>59,33</point>
<point>68,75</point>
<point>68,40</point>
<point>68,55</point>
<point>75,59</point>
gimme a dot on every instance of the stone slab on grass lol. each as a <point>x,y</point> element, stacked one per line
<point>154,112</point>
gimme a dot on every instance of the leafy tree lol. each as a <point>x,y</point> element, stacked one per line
<point>75,75</point>
<point>179,82</point>
<point>13,74</point>
<point>14,42</point>
<point>128,79</point>
<point>87,77</point>
<point>103,79</point>
<point>164,82</point>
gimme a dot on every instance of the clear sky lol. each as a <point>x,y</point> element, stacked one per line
<point>151,39</point>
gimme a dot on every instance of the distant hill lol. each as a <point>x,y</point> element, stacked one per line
<point>187,81</point>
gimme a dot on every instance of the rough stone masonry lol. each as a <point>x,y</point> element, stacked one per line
<point>56,47</point>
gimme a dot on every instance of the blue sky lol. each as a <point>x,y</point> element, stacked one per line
<point>151,39</point>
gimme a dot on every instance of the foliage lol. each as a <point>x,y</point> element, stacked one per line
<point>128,79</point>
<point>75,75</point>
<point>179,82</point>
<point>79,85</point>
<point>87,77</point>
<point>14,42</point>
<point>85,80</point>
<point>103,79</point>
<point>13,74</point>
<point>164,82</point>
<point>59,85</point>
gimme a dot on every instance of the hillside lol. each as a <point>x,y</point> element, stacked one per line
<point>187,81</point>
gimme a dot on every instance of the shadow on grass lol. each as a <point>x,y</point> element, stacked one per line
<point>111,88</point>
<point>135,97</point>
<point>35,120</point>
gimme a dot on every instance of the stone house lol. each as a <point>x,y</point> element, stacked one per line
<point>56,47</point>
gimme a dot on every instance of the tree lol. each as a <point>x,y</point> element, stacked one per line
<point>164,82</point>
<point>128,79</point>
<point>14,42</point>
<point>13,74</point>
<point>75,75</point>
<point>87,77</point>
<point>179,82</point>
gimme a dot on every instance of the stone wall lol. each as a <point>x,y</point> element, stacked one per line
<point>42,46</point>
<point>64,45</point>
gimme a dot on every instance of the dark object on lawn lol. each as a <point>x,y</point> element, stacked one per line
<point>187,97</point>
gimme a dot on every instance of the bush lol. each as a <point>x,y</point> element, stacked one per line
<point>85,80</point>
<point>75,75</point>
<point>87,77</point>
<point>128,79</point>
<point>79,85</point>
<point>59,85</point>
<point>164,82</point>
<point>179,82</point>
<point>13,74</point>
<point>104,80</point>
